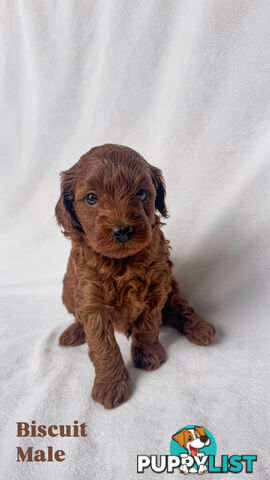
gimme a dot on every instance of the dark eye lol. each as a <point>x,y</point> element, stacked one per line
<point>91,199</point>
<point>141,195</point>
<point>190,438</point>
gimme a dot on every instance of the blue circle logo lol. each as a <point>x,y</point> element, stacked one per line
<point>193,441</point>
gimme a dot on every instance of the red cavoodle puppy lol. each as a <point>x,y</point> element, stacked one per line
<point>119,274</point>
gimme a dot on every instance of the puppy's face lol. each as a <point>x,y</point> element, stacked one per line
<point>192,439</point>
<point>111,196</point>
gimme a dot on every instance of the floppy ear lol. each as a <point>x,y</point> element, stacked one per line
<point>64,210</point>
<point>200,430</point>
<point>159,185</point>
<point>181,437</point>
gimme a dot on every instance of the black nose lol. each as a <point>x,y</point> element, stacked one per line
<point>204,439</point>
<point>122,233</point>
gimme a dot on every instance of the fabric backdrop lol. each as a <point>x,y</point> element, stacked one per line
<point>186,83</point>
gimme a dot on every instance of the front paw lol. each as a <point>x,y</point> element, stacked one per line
<point>149,357</point>
<point>202,469</point>
<point>111,393</point>
<point>199,331</point>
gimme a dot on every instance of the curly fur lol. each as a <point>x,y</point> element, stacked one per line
<point>125,287</point>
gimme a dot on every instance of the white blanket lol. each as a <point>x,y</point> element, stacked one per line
<point>186,83</point>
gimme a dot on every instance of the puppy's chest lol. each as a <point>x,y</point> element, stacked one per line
<point>128,295</point>
<point>131,294</point>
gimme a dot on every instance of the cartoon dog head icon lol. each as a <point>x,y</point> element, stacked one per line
<point>192,439</point>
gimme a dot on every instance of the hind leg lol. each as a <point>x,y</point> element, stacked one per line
<point>178,313</point>
<point>74,334</point>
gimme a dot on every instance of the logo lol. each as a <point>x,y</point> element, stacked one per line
<point>193,449</point>
<point>193,444</point>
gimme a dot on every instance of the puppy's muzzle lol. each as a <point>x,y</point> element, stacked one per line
<point>122,233</point>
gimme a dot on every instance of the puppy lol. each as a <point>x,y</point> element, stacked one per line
<point>192,440</point>
<point>119,273</point>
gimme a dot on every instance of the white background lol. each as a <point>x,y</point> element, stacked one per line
<point>187,84</point>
